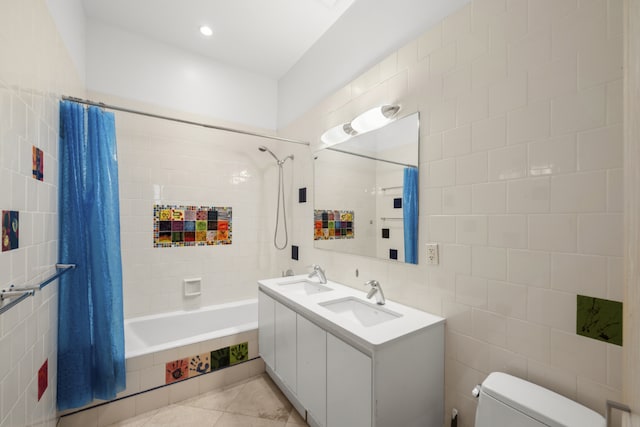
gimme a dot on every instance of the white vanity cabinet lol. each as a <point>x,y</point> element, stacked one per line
<point>312,370</point>
<point>266,320</point>
<point>349,385</point>
<point>277,338</point>
<point>286,345</point>
<point>338,375</point>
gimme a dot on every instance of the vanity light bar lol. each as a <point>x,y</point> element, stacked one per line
<point>372,119</point>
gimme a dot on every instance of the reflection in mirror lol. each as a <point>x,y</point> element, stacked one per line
<point>366,193</point>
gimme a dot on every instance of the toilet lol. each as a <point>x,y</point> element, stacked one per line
<point>507,401</point>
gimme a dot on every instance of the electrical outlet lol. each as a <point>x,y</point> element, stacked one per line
<point>432,254</point>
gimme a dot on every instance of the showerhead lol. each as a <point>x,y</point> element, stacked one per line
<point>280,162</point>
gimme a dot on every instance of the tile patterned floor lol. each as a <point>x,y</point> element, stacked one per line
<point>256,402</point>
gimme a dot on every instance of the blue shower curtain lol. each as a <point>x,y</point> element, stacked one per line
<point>410,214</point>
<point>91,360</point>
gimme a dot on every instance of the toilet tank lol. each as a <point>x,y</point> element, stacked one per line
<point>505,400</point>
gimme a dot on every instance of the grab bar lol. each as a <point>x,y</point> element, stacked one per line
<point>22,293</point>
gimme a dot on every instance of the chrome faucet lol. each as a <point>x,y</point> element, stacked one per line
<point>376,290</point>
<point>318,271</point>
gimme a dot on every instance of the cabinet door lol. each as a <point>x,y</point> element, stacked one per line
<point>312,369</point>
<point>349,387</point>
<point>266,329</point>
<point>286,345</point>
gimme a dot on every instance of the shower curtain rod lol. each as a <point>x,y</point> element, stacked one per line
<point>174,119</point>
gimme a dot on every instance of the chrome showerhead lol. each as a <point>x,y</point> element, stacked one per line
<point>280,162</point>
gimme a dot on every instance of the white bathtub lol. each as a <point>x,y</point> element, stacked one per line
<point>154,343</point>
<point>150,334</point>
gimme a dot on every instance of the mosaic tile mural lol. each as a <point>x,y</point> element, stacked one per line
<point>330,225</point>
<point>10,230</point>
<point>177,226</point>
<point>599,319</point>
<point>38,164</point>
<point>193,366</point>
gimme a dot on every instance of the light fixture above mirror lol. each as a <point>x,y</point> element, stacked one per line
<point>372,119</point>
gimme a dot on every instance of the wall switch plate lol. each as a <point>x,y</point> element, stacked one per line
<point>432,254</point>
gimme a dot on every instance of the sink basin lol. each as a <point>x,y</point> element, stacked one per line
<point>360,312</point>
<point>303,287</point>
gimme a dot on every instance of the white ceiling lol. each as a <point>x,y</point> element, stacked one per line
<point>265,37</point>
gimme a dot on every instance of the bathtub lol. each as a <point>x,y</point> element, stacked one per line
<point>156,333</point>
<point>156,344</point>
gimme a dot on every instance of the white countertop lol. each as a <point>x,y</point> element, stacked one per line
<point>366,337</point>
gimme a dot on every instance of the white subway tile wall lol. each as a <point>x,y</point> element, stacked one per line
<point>163,162</point>
<point>34,71</point>
<point>521,164</point>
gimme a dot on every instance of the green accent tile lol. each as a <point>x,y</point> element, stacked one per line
<point>599,319</point>
<point>239,353</point>
<point>219,358</point>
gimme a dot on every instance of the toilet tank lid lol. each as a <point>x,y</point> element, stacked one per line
<point>540,403</point>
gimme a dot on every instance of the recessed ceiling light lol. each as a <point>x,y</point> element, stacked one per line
<point>206,31</point>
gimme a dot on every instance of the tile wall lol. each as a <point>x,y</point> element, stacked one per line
<point>164,163</point>
<point>521,186</point>
<point>632,207</point>
<point>34,70</point>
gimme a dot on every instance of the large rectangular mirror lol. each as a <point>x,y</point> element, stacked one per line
<point>366,193</point>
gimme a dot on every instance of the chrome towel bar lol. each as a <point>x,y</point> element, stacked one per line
<point>15,295</point>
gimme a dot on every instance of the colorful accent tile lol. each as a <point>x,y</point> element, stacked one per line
<point>397,203</point>
<point>239,353</point>
<point>177,215</point>
<point>10,230</point>
<point>177,370</point>
<point>178,226</point>
<point>200,364</point>
<point>393,254</point>
<point>38,164</point>
<point>385,233</point>
<point>219,358</point>
<point>599,319</point>
<point>43,379</point>
<point>330,225</point>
